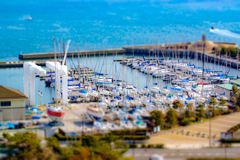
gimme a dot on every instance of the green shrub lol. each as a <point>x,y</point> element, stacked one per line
<point>143,146</point>
<point>61,137</point>
<point>159,146</point>
<point>127,158</point>
<point>233,140</point>
<point>213,158</point>
<point>234,129</point>
<point>227,111</point>
<point>135,137</point>
<point>133,146</point>
<point>185,122</point>
<point>120,145</point>
<point>130,132</point>
<point>150,146</point>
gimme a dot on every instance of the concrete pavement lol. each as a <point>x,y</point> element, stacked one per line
<point>183,154</point>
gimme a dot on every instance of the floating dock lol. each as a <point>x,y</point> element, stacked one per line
<point>71,54</point>
<point>20,63</point>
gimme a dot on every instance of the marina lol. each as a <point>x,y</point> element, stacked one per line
<point>106,98</point>
<point>120,80</point>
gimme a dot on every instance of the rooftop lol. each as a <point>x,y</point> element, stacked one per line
<point>10,93</point>
<point>227,86</point>
<point>237,82</point>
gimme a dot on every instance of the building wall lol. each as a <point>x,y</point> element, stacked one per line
<point>221,90</point>
<point>14,112</point>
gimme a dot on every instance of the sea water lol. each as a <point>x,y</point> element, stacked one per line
<point>107,24</point>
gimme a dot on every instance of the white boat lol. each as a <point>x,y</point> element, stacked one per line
<point>151,108</point>
<point>99,125</point>
<point>145,90</point>
<point>3,126</point>
<point>155,89</point>
<point>104,92</point>
<point>165,91</point>
<point>83,93</point>
<point>135,102</point>
<point>113,103</point>
<point>106,100</point>
<point>30,18</point>
<point>85,129</point>
<point>135,115</point>
<point>140,124</point>
<point>126,124</point>
<point>103,105</point>
<point>190,100</point>
<point>93,93</point>
<point>124,103</point>
<point>95,111</point>
<point>112,126</point>
<point>55,113</point>
<point>120,114</point>
<point>200,99</point>
<point>145,101</point>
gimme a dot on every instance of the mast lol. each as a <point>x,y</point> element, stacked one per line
<point>54,44</point>
<point>78,61</point>
<point>203,59</point>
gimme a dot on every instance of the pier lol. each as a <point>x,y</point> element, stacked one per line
<point>20,63</point>
<point>187,50</point>
<point>71,54</point>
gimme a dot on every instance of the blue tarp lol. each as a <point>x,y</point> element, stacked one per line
<point>189,98</point>
<point>222,94</point>
<point>139,118</point>
<point>82,91</point>
<point>36,117</point>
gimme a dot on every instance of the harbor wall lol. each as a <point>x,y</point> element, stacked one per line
<point>71,54</point>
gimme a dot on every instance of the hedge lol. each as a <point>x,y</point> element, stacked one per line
<point>213,158</point>
<point>159,146</point>
<point>130,132</point>
<point>234,129</point>
<point>133,137</point>
<point>61,137</point>
<point>133,146</point>
<point>152,146</point>
<point>233,140</point>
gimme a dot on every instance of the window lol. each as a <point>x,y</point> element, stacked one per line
<point>7,103</point>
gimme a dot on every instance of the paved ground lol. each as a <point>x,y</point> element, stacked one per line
<point>197,135</point>
<point>183,154</point>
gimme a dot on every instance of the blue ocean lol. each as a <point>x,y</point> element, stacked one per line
<point>99,24</point>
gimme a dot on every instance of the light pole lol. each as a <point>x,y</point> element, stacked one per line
<point>210,113</point>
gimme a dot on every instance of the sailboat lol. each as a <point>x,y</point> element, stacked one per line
<point>54,111</point>
<point>95,111</point>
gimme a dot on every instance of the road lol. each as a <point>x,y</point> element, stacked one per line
<point>183,154</point>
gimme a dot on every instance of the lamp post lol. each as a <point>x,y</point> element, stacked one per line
<point>210,114</point>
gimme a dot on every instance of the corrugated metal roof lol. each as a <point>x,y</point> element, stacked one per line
<point>237,82</point>
<point>227,86</point>
<point>10,93</point>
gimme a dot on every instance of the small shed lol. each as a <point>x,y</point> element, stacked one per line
<point>12,104</point>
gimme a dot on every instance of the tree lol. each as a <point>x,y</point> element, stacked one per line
<point>222,102</point>
<point>171,118</point>
<point>157,118</point>
<point>234,89</point>
<point>185,122</point>
<point>212,104</point>
<point>190,106</point>
<point>25,146</point>
<point>89,140</point>
<point>200,111</point>
<point>178,105</point>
